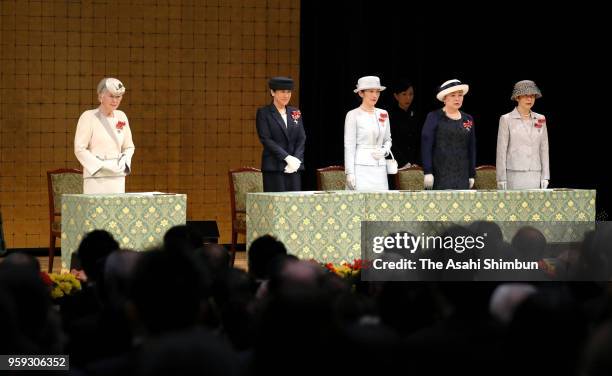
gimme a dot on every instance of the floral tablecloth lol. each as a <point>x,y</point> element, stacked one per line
<point>326,226</point>
<point>137,220</point>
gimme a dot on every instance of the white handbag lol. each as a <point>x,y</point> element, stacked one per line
<point>391,165</point>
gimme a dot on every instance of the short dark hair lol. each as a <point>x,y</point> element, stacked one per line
<point>182,238</point>
<point>401,85</point>
<point>93,251</point>
<point>263,250</point>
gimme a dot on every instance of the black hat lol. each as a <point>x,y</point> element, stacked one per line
<point>281,83</point>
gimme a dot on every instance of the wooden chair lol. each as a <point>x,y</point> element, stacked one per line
<point>241,182</point>
<point>331,178</point>
<point>2,243</point>
<point>486,177</point>
<point>410,178</point>
<point>59,182</point>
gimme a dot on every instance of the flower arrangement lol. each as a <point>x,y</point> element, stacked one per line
<point>61,284</point>
<point>346,270</point>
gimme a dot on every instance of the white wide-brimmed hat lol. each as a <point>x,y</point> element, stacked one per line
<point>112,85</point>
<point>368,82</point>
<point>451,86</point>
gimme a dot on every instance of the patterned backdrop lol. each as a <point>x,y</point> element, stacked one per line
<point>195,73</point>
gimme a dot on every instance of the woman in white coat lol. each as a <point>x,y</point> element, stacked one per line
<point>367,139</point>
<point>103,142</point>
<point>522,143</point>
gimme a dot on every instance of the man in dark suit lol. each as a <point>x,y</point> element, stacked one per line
<point>281,131</point>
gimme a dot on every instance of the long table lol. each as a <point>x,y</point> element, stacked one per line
<point>136,220</point>
<point>326,226</point>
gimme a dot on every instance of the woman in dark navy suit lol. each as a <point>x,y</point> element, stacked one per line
<point>448,141</point>
<point>282,135</point>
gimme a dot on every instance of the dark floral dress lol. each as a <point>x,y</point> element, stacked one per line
<point>449,150</point>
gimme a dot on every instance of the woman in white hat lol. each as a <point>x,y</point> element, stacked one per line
<point>522,143</point>
<point>367,139</point>
<point>448,141</point>
<point>103,142</point>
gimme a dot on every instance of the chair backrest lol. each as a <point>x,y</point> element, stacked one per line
<point>331,178</point>
<point>243,181</point>
<point>62,181</point>
<point>410,178</point>
<point>486,177</point>
<point>2,243</point>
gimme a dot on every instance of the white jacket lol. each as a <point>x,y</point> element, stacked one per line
<point>365,132</point>
<point>95,141</point>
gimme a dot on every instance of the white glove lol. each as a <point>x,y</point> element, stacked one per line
<point>407,165</point>
<point>378,154</point>
<point>293,162</point>
<point>289,170</point>
<point>385,150</point>
<point>502,185</point>
<point>112,165</point>
<point>544,184</point>
<point>428,181</point>
<point>122,162</point>
<point>471,180</point>
<point>350,182</point>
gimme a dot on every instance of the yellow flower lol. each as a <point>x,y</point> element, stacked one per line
<point>57,293</point>
<point>63,284</point>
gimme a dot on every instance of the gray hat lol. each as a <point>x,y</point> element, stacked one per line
<point>281,83</point>
<point>525,87</point>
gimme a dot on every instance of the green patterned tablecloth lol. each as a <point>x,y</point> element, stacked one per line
<point>137,220</point>
<point>326,226</point>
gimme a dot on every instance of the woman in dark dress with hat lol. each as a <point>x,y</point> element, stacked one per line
<point>448,142</point>
<point>282,135</point>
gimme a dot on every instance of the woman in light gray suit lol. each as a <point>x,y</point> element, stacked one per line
<point>367,139</point>
<point>522,143</point>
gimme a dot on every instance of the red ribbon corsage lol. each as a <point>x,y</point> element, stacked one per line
<point>295,115</point>
<point>539,123</point>
<point>382,118</point>
<point>467,125</point>
<point>120,125</point>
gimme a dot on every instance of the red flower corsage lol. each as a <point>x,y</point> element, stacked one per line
<point>120,125</point>
<point>295,115</point>
<point>467,125</point>
<point>539,123</point>
<point>382,118</point>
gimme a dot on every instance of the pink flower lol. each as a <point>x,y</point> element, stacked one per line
<point>467,125</point>
<point>540,123</point>
<point>120,125</point>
